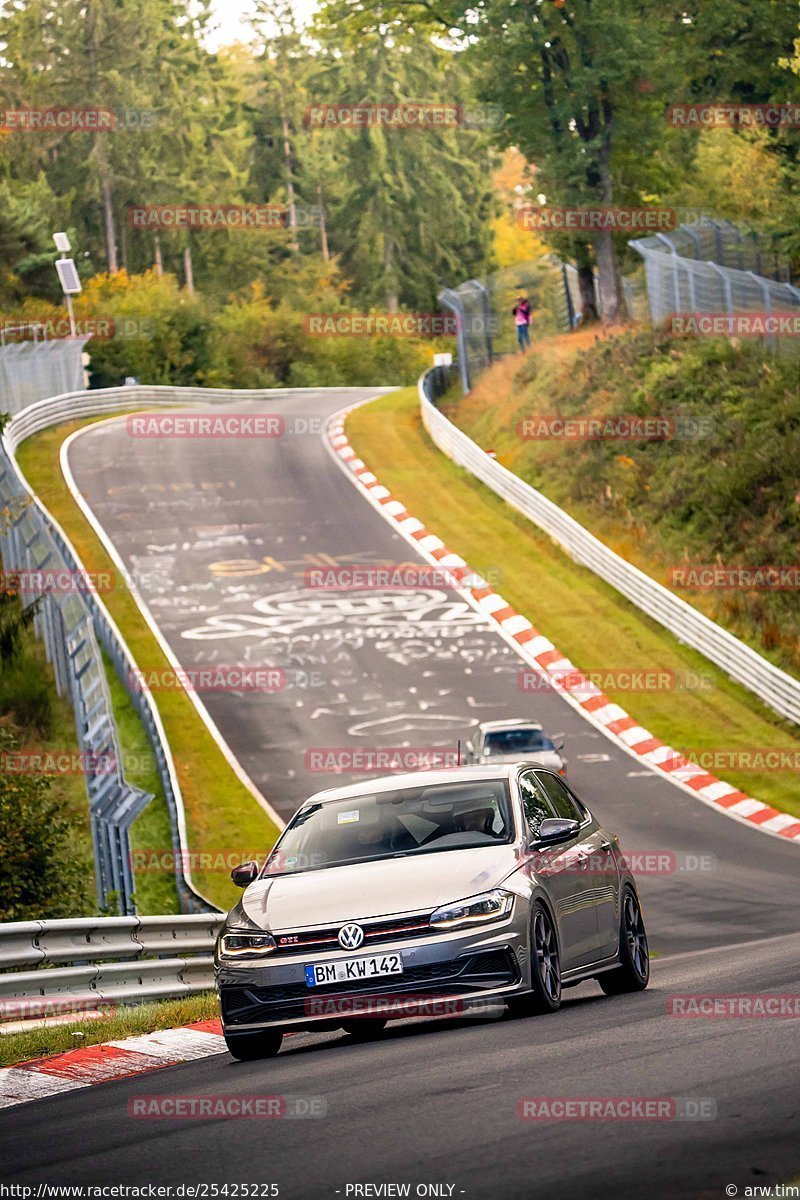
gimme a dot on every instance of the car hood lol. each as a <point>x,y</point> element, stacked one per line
<point>542,758</point>
<point>375,889</point>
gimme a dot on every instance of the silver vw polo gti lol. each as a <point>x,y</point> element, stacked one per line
<point>451,888</point>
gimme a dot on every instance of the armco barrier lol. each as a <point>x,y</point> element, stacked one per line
<point>112,959</point>
<point>68,623</point>
<point>72,626</point>
<point>775,687</point>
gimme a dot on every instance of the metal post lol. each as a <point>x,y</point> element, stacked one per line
<point>453,302</point>
<point>568,297</point>
<point>484,294</point>
<point>71,312</point>
<point>762,283</point>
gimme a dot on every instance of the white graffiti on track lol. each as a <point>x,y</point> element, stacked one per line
<point>393,614</point>
<point>402,723</point>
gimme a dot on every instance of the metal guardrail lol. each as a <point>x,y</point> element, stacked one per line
<point>68,622</point>
<point>111,960</point>
<point>772,685</point>
<point>71,627</point>
<point>72,406</point>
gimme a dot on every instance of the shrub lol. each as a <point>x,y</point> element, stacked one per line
<point>42,874</point>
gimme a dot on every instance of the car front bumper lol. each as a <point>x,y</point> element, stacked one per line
<point>444,974</point>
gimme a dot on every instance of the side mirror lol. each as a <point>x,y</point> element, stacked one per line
<point>554,830</point>
<point>558,741</point>
<point>244,874</point>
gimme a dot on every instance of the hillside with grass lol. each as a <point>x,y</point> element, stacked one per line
<point>721,487</point>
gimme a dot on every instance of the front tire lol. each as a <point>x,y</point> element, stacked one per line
<point>247,1047</point>
<point>633,972</point>
<point>545,993</point>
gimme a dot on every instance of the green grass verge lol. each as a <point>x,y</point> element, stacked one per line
<point>221,813</point>
<point>123,1022</point>
<point>596,628</point>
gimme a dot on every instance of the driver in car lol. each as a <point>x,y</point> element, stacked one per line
<point>476,820</point>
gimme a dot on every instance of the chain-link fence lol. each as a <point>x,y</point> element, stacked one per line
<point>705,269</point>
<point>483,310</point>
<point>711,278</point>
<point>723,243</point>
<point>33,368</point>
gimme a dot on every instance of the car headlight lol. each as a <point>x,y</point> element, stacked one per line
<point>475,910</point>
<point>239,943</point>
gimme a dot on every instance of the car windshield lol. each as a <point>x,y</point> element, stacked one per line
<point>516,741</point>
<point>411,820</point>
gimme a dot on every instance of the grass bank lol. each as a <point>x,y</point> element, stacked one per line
<point>720,488</point>
<point>584,617</point>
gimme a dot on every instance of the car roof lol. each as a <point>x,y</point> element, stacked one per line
<point>392,783</point>
<point>512,723</point>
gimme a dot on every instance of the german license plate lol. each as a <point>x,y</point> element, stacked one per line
<point>353,970</point>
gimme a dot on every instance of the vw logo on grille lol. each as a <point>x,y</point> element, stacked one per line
<point>351,936</point>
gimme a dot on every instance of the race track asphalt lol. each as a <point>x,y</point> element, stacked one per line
<point>219,534</point>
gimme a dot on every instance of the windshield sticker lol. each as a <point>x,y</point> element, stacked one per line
<point>347,818</point>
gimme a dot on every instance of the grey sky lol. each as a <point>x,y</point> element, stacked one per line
<point>230,17</point>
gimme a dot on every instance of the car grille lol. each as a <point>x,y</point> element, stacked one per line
<point>384,930</point>
<point>474,973</point>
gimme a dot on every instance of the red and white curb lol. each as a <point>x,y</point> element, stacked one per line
<point>43,1077</point>
<point>540,653</point>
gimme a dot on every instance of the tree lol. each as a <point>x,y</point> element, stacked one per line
<point>415,209</point>
<point>29,213</point>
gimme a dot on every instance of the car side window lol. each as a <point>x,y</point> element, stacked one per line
<point>560,798</point>
<point>534,803</point>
